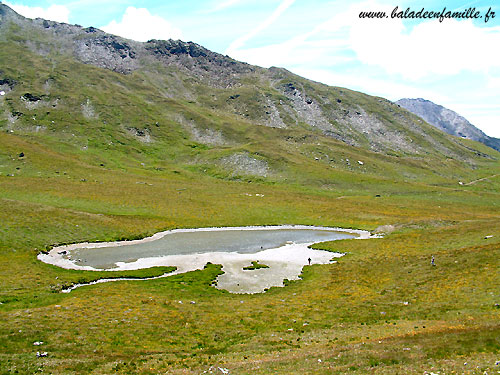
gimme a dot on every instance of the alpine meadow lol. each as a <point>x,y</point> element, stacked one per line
<point>106,139</point>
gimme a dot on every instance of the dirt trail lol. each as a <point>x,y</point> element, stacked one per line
<point>482,179</point>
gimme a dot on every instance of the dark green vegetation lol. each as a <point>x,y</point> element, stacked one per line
<point>95,155</point>
<point>98,275</point>
<point>255,266</point>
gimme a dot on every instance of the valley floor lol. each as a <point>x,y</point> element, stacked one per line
<point>383,308</point>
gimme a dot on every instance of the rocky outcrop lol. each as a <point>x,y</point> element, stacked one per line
<point>228,93</point>
<point>245,164</point>
<point>106,51</point>
<point>447,120</point>
<point>7,83</point>
<point>93,46</point>
<point>211,67</point>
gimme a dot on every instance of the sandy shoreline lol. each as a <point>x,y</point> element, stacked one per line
<point>285,262</point>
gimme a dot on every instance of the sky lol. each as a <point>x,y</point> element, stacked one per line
<point>453,62</point>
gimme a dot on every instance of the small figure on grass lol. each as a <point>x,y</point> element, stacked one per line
<point>432,261</point>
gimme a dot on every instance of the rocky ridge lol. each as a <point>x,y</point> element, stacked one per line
<point>447,121</point>
<point>207,91</point>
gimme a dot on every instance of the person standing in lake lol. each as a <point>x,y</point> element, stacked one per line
<point>309,260</point>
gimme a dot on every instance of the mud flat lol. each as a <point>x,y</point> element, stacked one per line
<point>284,249</point>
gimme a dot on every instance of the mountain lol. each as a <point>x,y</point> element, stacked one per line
<point>447,120</point>
<point>103,98</point>
<point>105,139</point>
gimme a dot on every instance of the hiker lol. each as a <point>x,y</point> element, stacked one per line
<point>432,261</point>
<point>309,260</point>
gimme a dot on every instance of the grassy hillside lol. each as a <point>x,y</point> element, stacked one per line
<point>89,154</point>
<point>123,122</point>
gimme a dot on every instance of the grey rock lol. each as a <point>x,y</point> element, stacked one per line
<point>245,164</point>
<point>180,70</point>
<point>447,121</point>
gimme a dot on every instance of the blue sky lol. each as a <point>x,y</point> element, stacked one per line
<point>455,63</point>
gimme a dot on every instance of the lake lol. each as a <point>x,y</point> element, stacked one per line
<point>242,241</point>
<point>284,249</point>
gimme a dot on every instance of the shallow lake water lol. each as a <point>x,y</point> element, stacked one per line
<point>284,249</point>
<point>201,242</point>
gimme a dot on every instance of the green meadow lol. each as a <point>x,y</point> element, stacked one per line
<point>382,308</point>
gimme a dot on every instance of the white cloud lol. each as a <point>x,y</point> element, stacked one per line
<point>431,47</point>
<point>488,124</point>
<point>58,13</point>
<point>238,43</point>
<point>372,86</point>
<point>330,43</point>
<point>140,25</point>
<point>291,54</point>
